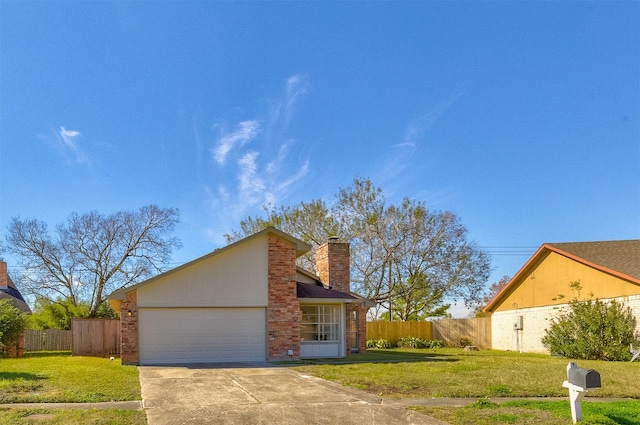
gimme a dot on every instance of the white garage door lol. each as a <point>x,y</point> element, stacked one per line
<point>201,335</point>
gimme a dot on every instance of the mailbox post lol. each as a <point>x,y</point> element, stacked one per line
<point>579,382</point>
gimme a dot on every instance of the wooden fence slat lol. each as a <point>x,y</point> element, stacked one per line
<point>96,337</point>
<point>477,329</point>
<point>47,340</point>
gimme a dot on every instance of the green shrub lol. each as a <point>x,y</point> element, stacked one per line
<point>412,342</point>
<point>593,330</point>
<point>437,343</point>
<point>13,322</point>
<point>378,343</point>
<point>463,342</point>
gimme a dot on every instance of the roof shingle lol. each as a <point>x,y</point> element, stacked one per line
<point>620,256</point>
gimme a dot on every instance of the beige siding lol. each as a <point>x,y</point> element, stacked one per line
<point>536,321</point>
<point>234,278</point>
<point>303,278</point>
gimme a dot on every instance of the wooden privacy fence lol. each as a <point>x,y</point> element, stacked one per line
<point>451,331</point>
<point>47,340</point>
<point>96,337</point>
<point>477,330</point>
<point>393,331</point>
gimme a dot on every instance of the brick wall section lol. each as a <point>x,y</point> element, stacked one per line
<point>362,328</point>
<point>129,329</point>
<point>333,265</point>
<point>15,351</point>
<point>536,320</point>
<point>3,274</point>
<point>283,311</point>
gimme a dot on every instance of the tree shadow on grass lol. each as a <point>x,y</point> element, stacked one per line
<point>11,376</point>
<point>382,356</point>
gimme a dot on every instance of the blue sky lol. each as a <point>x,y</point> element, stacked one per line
<point>521,117</point>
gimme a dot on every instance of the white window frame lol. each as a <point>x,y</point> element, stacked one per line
<point>325,323</point>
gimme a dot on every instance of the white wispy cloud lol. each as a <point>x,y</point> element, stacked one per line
<point>256,162</point>
<point>283,108</point>
<point>68,143</point>
<point>423,123</point>
<point>399,157</point>
<point>245,132</point>
<point>69,136</point>
<point>297,86</point>
<point>251,185</point>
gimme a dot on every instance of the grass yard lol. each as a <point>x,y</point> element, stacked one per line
<point>60,377</point>
<point>481,375</point>
<point>483,412</point>
<point>451,372</point>
<point>71,417</point>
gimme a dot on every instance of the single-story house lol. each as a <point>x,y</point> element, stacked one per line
<point>245,302</point>
<point>521,312</point>
<point>8,290</point>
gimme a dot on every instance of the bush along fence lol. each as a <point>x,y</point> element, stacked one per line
<point>450,332</point>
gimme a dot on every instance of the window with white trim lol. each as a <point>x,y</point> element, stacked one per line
<point>320,323</point>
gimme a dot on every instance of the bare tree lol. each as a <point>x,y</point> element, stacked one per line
<point>92,254</point>
<point>402,256</point>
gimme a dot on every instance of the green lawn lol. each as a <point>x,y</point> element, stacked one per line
<point>60,377</point>
<point>485,374</point>
<point>71,417</point>
<point>525,412</point>
<point>451,372</point>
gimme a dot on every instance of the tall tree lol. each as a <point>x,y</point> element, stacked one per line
<point>92,254</point>
<point>403,256</point>
<point>495,288</point>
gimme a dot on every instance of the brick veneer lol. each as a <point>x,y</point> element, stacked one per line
<point>16,350</point>
<point>333,265</point>
<point>129,329</point>
<point>283,311</point>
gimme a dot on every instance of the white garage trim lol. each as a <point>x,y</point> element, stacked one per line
<point>201,335</point>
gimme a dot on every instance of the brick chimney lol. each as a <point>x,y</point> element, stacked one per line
<point>332,264</point>
<point>4,281</point>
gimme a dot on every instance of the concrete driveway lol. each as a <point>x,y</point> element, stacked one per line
<point>259,394</point>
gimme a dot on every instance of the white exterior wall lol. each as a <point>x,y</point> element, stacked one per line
<point>233,278</point>
<point>536,320</point>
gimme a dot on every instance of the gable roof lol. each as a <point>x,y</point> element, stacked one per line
<point>300,246</point>
<point>618,258</point>
<point>10,291</point>
<point>323,292</point>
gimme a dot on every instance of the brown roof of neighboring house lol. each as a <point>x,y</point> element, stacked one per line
<point>619,258</point>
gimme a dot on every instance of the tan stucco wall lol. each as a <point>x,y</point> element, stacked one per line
<point>541,285</point>
<point>236,277</point>
<point>536,320</point>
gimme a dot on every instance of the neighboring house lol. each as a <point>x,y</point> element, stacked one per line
<point>245,302</point>
<point>8,290</point>
<point>522,311</point>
